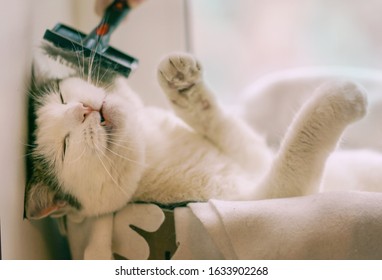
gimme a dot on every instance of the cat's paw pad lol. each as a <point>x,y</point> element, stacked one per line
<point>179,72</point>
<point>348,100</point>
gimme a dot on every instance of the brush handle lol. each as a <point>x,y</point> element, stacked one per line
<point>98,39</point>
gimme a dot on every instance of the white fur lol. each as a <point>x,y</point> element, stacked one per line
<point>356,164</point>
<point>197,154</point>
<point>101,171</point>
<point>205,153</point>
<point>353,170</point>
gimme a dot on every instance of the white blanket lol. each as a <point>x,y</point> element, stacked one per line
<point>343,225</point>
<point>337,225</point>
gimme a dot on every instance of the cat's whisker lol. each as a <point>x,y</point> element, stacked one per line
<point>118,141</point>
<point>108,86</point>
<point>79,157</point>
<point>27,144</point>
<point>84,61</point>
<point>116,129</point>
<point>31,93</point>
<point>82,67</point>
<point>25,155</point>
<point>89,79</point>
<point>97,80</point>
<point>78,53</point>
<point>121,134</point>
<point>113,130</point>
<point>107,171</point>
<point>120,145</point>
<point>125,158</point>
<point>103,76</point>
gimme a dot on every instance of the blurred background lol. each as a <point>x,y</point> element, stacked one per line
<point>238,41</point>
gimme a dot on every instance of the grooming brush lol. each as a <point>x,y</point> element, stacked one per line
<point>76,48</point>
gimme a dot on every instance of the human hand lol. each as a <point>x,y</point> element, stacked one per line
<point>101,5</point>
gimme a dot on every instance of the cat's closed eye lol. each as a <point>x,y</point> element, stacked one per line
<point>62,98</point>
<point>65,145</point>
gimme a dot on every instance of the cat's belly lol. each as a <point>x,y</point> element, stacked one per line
<point>185,184</point>
<point>191,175</point>
<point>183,165</point>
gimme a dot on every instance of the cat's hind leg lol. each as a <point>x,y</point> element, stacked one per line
<point>181,79</point>
<point>312,136</point>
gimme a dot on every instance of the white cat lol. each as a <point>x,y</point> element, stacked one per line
<point>99,148</point>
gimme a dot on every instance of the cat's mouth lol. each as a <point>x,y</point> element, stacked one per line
<point>102,117</point>
<point>103,120</point>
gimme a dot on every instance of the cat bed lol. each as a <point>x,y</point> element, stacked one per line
<point>336,225</point>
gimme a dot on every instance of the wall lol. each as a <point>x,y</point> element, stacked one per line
<point>155,28</point>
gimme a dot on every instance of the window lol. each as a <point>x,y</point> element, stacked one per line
<point>239,41</point>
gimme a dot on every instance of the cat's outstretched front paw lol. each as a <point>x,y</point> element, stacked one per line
<point>179,72</point>
<point>180,77</point>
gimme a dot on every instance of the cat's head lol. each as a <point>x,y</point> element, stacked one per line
<point>88,149</point>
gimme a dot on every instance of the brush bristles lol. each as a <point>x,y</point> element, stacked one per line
<point>85,66</point>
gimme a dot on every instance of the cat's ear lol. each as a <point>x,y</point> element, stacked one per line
<point>41,201</point>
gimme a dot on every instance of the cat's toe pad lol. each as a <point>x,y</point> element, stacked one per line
<point>180,72</point>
